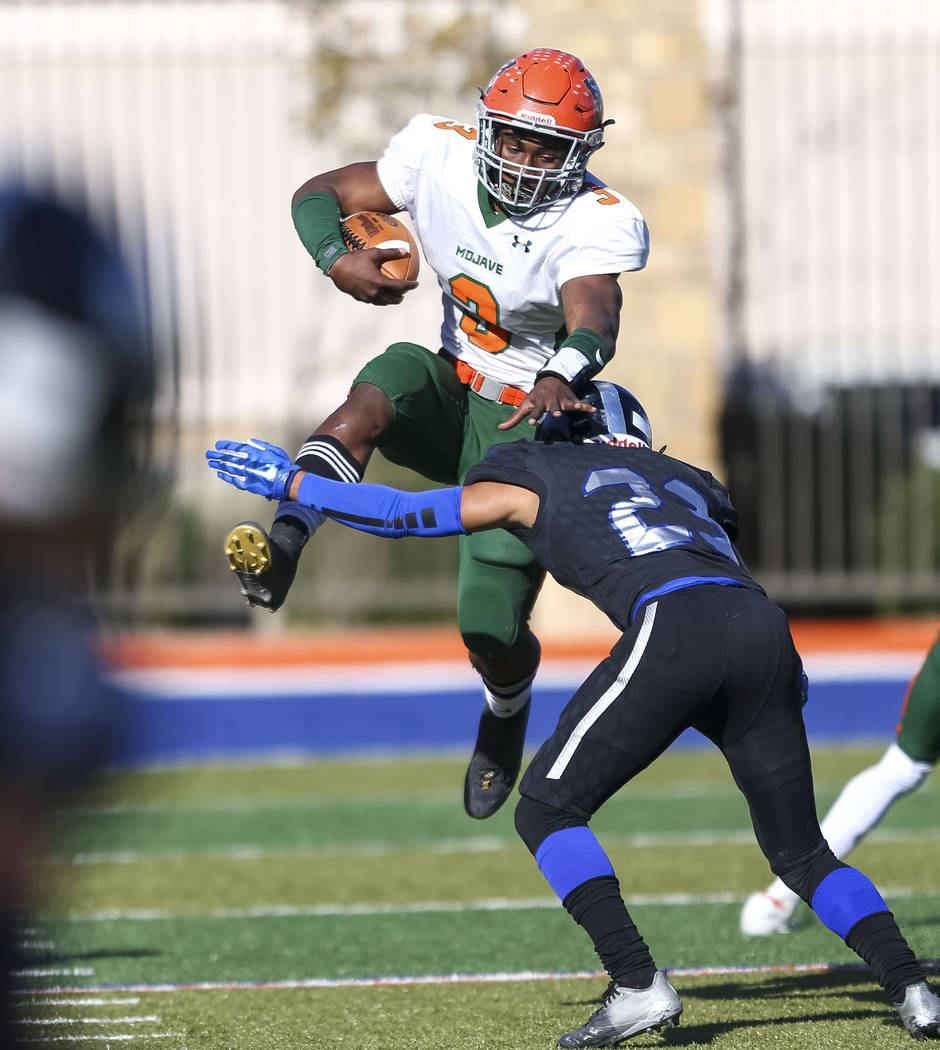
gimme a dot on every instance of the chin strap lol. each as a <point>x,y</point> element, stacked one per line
<point>385,511</point>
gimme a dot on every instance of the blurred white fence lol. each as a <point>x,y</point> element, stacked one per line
<point>198,119</point>
<point>195,116</point>
<point>195,120</point>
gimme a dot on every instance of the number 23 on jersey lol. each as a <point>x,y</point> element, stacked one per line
<point>626,515</point>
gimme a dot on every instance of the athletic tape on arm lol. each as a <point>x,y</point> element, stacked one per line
<point>579,358</point>
<point>385,511</point>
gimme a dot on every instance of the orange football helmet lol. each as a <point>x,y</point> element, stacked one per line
<point>549,93</point>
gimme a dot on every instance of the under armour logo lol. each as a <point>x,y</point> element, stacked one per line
<point>524,245</point>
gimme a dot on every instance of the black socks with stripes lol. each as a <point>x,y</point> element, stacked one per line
<point>326,456</point>
<point>506,700</point>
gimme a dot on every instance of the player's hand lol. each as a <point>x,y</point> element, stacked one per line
<point>254,466</point>
<point>548,395</point>
<point>359,274</point>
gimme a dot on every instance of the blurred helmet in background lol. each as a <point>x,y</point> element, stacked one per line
<point>76,362</point>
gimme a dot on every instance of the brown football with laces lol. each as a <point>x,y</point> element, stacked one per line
<point>373,229</point>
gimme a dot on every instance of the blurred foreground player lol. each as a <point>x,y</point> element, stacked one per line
<point>868,796</point>
<point>648,539</point>
<point>75,383</point>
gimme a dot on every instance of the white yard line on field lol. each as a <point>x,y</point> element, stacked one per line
<point>491,978</point>
<point>124,1038</point>
<point>77,971</point>
<point>86,1020</point>
<point>276,911</point>
<point>477,844</point>
<point>133,1001</point>
<point>444,796</point>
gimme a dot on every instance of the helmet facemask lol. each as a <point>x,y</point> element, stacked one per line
<point>523,188</point>
<point>548,94</point>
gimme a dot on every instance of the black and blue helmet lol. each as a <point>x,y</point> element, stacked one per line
<point>76,365</point>
<point>619,420</point>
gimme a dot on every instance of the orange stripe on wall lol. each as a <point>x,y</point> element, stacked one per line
<point>250,649</point>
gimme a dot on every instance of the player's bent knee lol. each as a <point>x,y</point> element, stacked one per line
<point>402,366</point>
<point>490,620</point>
<point>488,646</point>
<point>404,359</point>
<point>366,415</point>
<point>535,821</point>
<point>804,873</point>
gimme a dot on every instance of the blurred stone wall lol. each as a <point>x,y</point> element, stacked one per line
<point>653,68</point>
<point>656,73</point>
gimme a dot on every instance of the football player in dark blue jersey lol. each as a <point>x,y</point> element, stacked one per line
<point>75,391</point>
<point>649,539</point>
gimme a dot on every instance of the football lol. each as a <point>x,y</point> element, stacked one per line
<point>372,229</point>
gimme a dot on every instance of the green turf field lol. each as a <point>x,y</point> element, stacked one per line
<point>326,905</point>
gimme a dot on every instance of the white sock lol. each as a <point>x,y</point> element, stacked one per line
<point>868,796</point>
<point>781,894</point>
<point>505,700</point>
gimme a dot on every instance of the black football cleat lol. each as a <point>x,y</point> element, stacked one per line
<point>497,759</point>
<point>627,1012</point>
<point>263,568</point>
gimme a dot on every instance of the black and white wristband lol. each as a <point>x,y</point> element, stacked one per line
<point>579,358</point>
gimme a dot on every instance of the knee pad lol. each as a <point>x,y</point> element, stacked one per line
<point>804,873</point>
<point>490,621</point>
<point>489,646</point>
<point>493,615</point>
<point>535,821</point>
<point>496,589</point>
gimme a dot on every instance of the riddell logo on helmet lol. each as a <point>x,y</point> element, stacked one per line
<point>620,440</point>
<point>535,118</point>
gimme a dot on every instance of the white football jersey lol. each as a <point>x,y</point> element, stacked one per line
<point>501,276</point>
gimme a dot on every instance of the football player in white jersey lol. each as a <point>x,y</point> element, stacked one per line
<point>527,246</point>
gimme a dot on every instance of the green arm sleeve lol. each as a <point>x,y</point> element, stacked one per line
<point>317,221</point>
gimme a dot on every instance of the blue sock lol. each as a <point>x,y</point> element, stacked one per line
<point>844,897</point>
<point>571,856</point>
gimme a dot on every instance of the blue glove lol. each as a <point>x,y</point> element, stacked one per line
<point>254,466</point>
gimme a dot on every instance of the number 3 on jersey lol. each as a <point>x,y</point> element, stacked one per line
<point>480,321</point>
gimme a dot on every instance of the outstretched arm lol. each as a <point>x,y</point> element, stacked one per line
<point>260,467</point>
